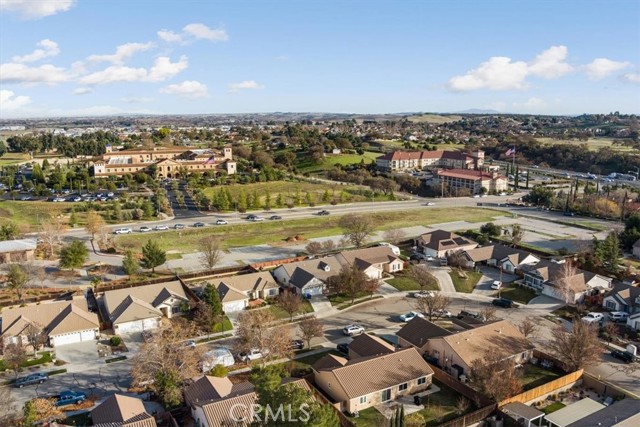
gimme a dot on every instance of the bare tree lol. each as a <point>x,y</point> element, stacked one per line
<point>488,313</point>
<point>255,330</point>
<point>517,233</point>
<point>314,248</point>
<point>14,356</point>
<point>563,280</point>
<point>328,246</point>
<point>349,281</point>
<point>290,302</point>
<point>95,223</point>
<point>462,404</point>
<point>371,286</point>
<point>211,251</point>
<point>51,233</point>
<point>423,277</point>
<point>35,336</point>
<point>430,306</point>
<point>578,347</point>
<point>528,327</point>
<point>610,331</point>
<point>495,375</point>
<point>310,328</point>
<point>356,228</point>
<point>456,259</point>
<point>394,236</point>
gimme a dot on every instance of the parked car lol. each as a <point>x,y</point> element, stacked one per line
<point>179,226</point>
<point>502,302</point>
<point>618,316</point>
<point>442,313</point>
<point>275,217</point>
<point>252,354</point>
<point>496,284</point>
<point>352,330</point>
<point>424,294</point>
<point>323,212</point>
<point>198,224</point>
<point>37,378</point>
<point>125,230</point>
<point>296,345</point>
<point>161,227</point>
<point>593,317</point>
<point>473,314</point>
<point>626,357</point>
<point>343,348</point>
<point>69,397</point>
<point>221,222</point>
<point>190,344</point>
<point>145,229</point>
<point>407,317</point>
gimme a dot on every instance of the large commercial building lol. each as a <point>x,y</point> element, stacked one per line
<point>400,161</point>
<point>452,181</point>
<point>169,162</point>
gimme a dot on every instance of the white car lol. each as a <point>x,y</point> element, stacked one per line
<point>430,204</point>
<point>593,317</point>
<point>145,229</point>
<point>160,227</point>
<point>496,285</point>
<point>221,222</point>
<point>252,354</point>
<point>125,230</point>
<point>442,313</point>
<point>410,316</point>
<point>352,330</point>
<point>424,294</point>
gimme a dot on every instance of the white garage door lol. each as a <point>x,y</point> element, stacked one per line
<point>149,324</point>
<point>87,335</point>
<point>126,328</point>
<point>232,306</point>
<point>66,339</point>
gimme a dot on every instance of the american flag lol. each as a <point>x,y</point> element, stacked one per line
<point>511,151</point>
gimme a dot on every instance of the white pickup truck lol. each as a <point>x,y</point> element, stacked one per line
<point>593,317</point>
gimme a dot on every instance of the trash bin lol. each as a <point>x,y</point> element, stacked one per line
<point>416,400</point>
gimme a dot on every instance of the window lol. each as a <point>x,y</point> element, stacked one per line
<point>175,310</point>
<point>422,380</point>
<point>363,399</point>
<point>611,305</point>
<point>386,395</point>
<point>402,387</point>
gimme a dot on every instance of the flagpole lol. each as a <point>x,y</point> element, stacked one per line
<point>513,162</point>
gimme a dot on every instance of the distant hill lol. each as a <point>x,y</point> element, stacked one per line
<point>479,111</point>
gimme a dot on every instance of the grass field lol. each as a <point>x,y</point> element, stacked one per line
<point>434,118</point>
<point>405,283</point>
<point>517,293</point>
<point>276,232</point>
<point>594,144</point>
<point>306,166</point>
<point>29,215</point>
<point>465,285</point>
<point>534,376</point>
<point>13,159</point>
<point>281,314</point>
<point>398,144</point>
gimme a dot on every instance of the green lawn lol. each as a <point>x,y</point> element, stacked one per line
<point>306,166</point>
<point>337,299</point>
<point>553,407</point>
<point>45,357</point>
<point>406,283</point>
<point>441,406</point>
<point>224,326</point>
<point>281,314</point>
<point>534,376</point>
<point>370,417</point>
<point>13,159</point>
<point>517,293</point>
<point>465,285</point>
<point>270,232</point>
<point>593,144</point>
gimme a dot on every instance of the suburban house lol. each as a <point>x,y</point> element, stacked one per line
<point>572,413</point>
<point>457,352</point>
<point>440,243</point>
<point>398,161</point>
<point>369,345</point>
<point>21,250</point>
<point>168,162</point>
<point>475,181</point>
<point>547,277</point>
<point>627,299</point>
<point>636,249</point>
<point>122,411</point>
<point>372,261</point>
<point>307,277</point>
<point>500,256</point>
<point>625,413</point>
<point>357,384</point>
<point>218,402</point>
<point>236,291</point>
<point>63,322</point>
<point>140,308</point>
<point>417,332</point>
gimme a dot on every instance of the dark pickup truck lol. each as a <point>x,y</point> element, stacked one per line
<point>69,397</point>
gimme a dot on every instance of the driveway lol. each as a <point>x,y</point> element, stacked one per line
<point>489,275</point>
<point>79,356</point>
<point>444,280</point>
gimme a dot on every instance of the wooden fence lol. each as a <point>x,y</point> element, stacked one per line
<point>473,395</point>
<point>272,263</point>
<point>545,389</point>
<point>34,299</point>
<point>605,388</point>
<point>471,418</point>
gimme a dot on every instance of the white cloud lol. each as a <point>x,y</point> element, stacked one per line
<point>632,77</point>
<point>21,73</point>
<point>201,31</point>
<point>9,102</point>
<point>169,36</point>
<point>498,73</point>
<point>550,63</point>
<point>82,91</point>
<point>123,52</point>
<point>245,85</point>
<point>600,68</point>
<point>136,100</point>
<point>30,9</point>
<point>190,89</point>
<point>49,49</point>
<point>162,69</point>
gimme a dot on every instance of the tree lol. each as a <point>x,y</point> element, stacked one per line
<point>74,255</point>
<point>610,332</point>
<point>578,347</point>
<point>164,363</point>
<point>51,233</point>
<point>310,328</point>
<point>130,264</point>
<point>491,229</point>
<point>35,336</point>
<point>288,405</point>
<point>528,327</point>
<point>152,256</point>
<point>17,279</point>
<point>203,317</point>
<point>397,418</point>
<point>14,356</point>
<point>290,302</point>
<point>254,330</point>
<point>539,195</point>
<point>431,305</point>
<point>462,404</point>
<point>356,228</point>
<point>40,409</point>
<point>349,281</point>
<point>314,248</point>
<point>371,286</point>
<point>423,277</point>
<point>488,313</point>
<point>211,297</point>
<point>495,375</point>
<point>211,251</point>
<point>517,233</point>
<point>95,223</point>
<point>9,231</point>
<point>563,279</point>
<point>394,235</point>
<point>219,371</point>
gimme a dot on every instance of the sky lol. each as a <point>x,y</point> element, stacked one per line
<point>106,57</point>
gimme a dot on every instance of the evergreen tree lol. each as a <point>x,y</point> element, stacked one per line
<point>130,264</point>
<point>211,296</point>
<point>326,198</point>
<point>267,200</point>
<point>152,256</point>
<point>279,200</point>
<point>74,255</point>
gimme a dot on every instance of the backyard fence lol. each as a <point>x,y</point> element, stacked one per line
<point>471,418</point>
<point>545,389</point>
<point>478,398</point>
<point>275,262</point>
<point>605,388</point>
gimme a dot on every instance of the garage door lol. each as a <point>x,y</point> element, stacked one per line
<point>66,339</point>
<point>88,335</point>
<point>126,328</point>
<point>232,306</point>
<point>317,290</point>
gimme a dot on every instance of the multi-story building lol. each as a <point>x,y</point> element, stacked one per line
<point>452,181</point>
<point>169,162</point>
<point>399,161</point>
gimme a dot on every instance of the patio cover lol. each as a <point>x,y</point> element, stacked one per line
<point>574,412</point>
<point>519,410</point>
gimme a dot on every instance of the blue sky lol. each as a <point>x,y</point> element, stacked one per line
<point>96,57</point>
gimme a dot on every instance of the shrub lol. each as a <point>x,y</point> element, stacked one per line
<point>115,341</point>
<point>219,371</point>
